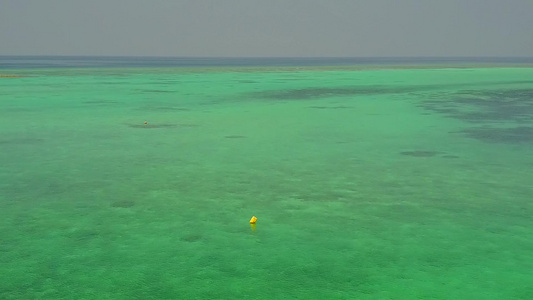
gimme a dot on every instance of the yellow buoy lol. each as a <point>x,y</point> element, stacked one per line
<point>253,220</point>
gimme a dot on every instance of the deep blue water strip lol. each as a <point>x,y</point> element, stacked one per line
<point>33,62</point>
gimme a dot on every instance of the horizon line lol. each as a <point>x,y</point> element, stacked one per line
<point>240,57</point>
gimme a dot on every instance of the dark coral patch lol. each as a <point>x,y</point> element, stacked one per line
<point>450,156</point>
<point>152,126</point>
<point>346,91</point>
<point>123,204</point>
<point>162,108</point>
<point>313,93</point>
<point>157,91</point>
<point>235,136</point>
<point>191,238</point>
<point>21,141</point>
<point>101,102</point>
<point>514,135</point>
<point>161,125</point>
<point>495,106</point>
<point>330,107</point>
<point>420,153</point>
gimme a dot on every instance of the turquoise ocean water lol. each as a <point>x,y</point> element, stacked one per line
<point>391,179</point>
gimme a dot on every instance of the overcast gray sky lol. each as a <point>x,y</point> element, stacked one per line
<point>267,27</point>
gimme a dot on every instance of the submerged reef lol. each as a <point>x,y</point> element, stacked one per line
<point>514,135</point>
<point>123,204</point>
<point>485,106</point>
<point>420,153</point>
<point>427,153</point>
<point>501,116</point>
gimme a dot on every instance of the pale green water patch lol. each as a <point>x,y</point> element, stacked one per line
<point>359,195</point>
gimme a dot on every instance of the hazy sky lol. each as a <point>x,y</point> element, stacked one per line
<point>267,27</point>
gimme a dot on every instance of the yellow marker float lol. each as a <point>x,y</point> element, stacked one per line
<point>252,223</point>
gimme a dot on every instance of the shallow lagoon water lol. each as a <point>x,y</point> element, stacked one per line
<point>368,183</point>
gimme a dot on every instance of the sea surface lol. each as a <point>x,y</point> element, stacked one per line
<point>390,178</point>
